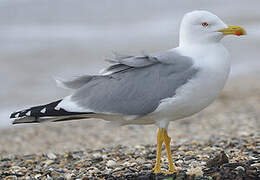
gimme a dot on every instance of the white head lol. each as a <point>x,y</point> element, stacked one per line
<point>199,27</point>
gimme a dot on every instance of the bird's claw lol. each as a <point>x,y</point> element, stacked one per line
<point>157,170</point>
<point>170,171</point>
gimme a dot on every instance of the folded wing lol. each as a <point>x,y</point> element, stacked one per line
<point>132,85</point>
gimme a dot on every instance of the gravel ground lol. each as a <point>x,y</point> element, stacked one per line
<point>219,158</point>
<point>66,150</point>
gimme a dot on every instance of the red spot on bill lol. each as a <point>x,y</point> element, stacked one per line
<point>239,33</point>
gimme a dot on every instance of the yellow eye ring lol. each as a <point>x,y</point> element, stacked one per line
<point>204,24</point>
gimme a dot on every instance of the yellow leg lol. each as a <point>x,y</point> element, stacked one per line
<point>157,168</point>
<point>167,141</point>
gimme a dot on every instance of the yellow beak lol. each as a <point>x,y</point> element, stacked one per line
<point>233,30</point>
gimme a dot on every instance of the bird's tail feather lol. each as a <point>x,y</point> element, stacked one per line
<point>47,113</point>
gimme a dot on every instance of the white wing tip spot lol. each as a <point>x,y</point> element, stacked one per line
<point>43,110</point>
<point>28,113</point>
<point>57,108</point>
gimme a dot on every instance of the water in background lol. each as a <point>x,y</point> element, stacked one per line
<point>45,38</point>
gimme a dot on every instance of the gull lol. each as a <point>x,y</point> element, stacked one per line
<point>151,88</point>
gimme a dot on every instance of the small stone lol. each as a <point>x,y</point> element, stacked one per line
<point>37,176</point>
<point>195,171</point>
<point>54,173</point>
<point>68,156</point>
<point>104,156</point>
<point>68,176</point>
<point>48,162</point>
<point>179,161</point>
<point>220,159</point>
<point>26,177</point>
<point>79,165</point>
<point>51,156</point>
<point>10,178</point>
<point>252,158</point>
<point>189,153</point>
<point>27,162</point>
<point>240,168</point>
<point>256,165</point>
<point>15,168</point>
<point>133,164</point>
<point>139,147</point>
<point>36,170</point>
<point>187,158</point>
<point>111,163</point>
<point>49,178</point>
<point>118,169</point>
<point>149,166</point>
<point>203,163</point>
<point>107,171</point>
<point>97,155</point>
<point>126,164</point>
<point>93,170</point>
<point>60,178</point>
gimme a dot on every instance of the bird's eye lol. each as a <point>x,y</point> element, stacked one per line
<point>204,24</point>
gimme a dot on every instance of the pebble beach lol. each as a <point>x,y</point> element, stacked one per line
<point>95,149</point>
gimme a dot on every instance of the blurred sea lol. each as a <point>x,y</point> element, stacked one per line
<point>45,38</point>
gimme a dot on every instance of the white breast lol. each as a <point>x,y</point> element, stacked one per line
<point>214,66</point>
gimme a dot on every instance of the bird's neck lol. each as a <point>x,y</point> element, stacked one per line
<point>187,39</point>
<point>204,52</point>
<point>198,47</point>
<point>197,42</point>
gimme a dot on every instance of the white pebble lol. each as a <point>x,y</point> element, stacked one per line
<point>51,156</point>
<point>195,171</point>
<point>111,163</point>
<point>203,163</point>
<point>97,155</point>
<point>240,168</point>
<point>48,162</point>
<point>37,176</point>
<point>68,176</point>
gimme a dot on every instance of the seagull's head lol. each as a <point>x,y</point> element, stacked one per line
<point>198,27</point>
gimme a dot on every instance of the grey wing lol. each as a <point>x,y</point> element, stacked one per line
<point>74,83</point>
<point>136,85</point>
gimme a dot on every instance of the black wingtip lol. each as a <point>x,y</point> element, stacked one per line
<point>36,111</point>
<point>19,114</point>
<point>13,115</point>
<point>42,113</point>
